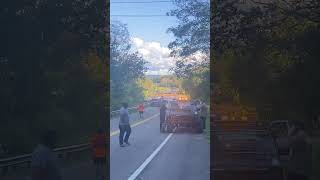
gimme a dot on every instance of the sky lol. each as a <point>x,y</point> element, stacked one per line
<point>148,34</point>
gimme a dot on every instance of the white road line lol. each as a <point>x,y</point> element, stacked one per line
<point>149,159</point>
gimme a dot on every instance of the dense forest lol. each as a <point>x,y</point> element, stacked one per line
<point>266,56</point>
<point>53,65</point>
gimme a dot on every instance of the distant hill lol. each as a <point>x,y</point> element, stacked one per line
<point>153,76</point>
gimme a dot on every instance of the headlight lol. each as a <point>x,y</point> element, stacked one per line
<point>196,113</point>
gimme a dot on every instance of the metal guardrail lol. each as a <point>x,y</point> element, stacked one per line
<point>26,158</point>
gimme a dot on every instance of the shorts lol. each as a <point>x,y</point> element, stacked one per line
<point>99,160</point>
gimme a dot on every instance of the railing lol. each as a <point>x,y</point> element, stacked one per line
<point>5,163</point>
<point>26,158</point>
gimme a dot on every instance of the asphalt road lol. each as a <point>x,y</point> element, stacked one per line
<point>182,156</point>
<point>151,156</point>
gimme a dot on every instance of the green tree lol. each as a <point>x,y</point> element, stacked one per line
<point>126,67</point>
<point>45,84</point>
<point>192,38</point>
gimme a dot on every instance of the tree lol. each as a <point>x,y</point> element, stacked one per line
<point>271,67</point>
<point>192,41</point>
<point>193,32</point>
<point>42,49</point>
<point>126,67</point>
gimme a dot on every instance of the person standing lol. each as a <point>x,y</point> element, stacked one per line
<point>203,115</point>
<point>124,125</point>
<point>44,161</point>
<point>99,147</point>
<point>141,110</point>
<point>300,160</point>
<point>162,115</point>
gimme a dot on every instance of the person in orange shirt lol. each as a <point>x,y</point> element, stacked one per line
<point>99,147</point>
<point>141,110</point>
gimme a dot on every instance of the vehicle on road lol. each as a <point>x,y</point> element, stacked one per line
<point>242,150</point>
<point>181,118</point>
<point>155,103</point>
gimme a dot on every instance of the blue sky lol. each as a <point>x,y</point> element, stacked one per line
<point>148,34</point>
<point>149,28</point>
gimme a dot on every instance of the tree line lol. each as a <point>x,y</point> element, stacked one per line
<point>53,61</point>
<point>126,68</point>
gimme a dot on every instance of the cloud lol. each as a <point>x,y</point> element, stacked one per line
<point>157,56</point>
<point>137,41</point>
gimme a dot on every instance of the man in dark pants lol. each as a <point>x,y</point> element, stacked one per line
<point>124,125</point>
<point>203,115</point>
<point>162,115</point>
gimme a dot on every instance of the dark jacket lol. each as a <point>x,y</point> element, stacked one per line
<point>163,113</point>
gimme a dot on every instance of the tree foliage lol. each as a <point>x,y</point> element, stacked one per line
<point>126,67</point>
<point>53,70</point>
<point>192,38</point>
<point>273,50</point>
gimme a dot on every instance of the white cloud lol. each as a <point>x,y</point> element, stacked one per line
<point>157,56</point>
<point>137,41</point>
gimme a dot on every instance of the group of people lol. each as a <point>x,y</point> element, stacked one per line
<point>201,108</point>
<point>45,164</point>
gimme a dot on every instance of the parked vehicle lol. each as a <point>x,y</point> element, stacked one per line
<point>181,118</point>
<point>243,150</point>
<point>155,103</point>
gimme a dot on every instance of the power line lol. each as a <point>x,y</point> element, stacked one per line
<point>142,15</point>
<point>138,2</point>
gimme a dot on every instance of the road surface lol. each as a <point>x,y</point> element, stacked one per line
<point>182,157</point>
<point>151,156</point>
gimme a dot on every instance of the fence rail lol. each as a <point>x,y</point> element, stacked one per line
<point>5,163</point>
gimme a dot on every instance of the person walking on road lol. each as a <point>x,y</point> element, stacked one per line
<point>299,165</point>
<point>141,110</point>
<point>99,147</point>
<point>162,115</point>
<point>44,161</point>
<point>124,125</point>
<point>203,115</point>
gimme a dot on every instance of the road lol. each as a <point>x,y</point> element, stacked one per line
<point>151,156</point>
<point>182,157</point>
